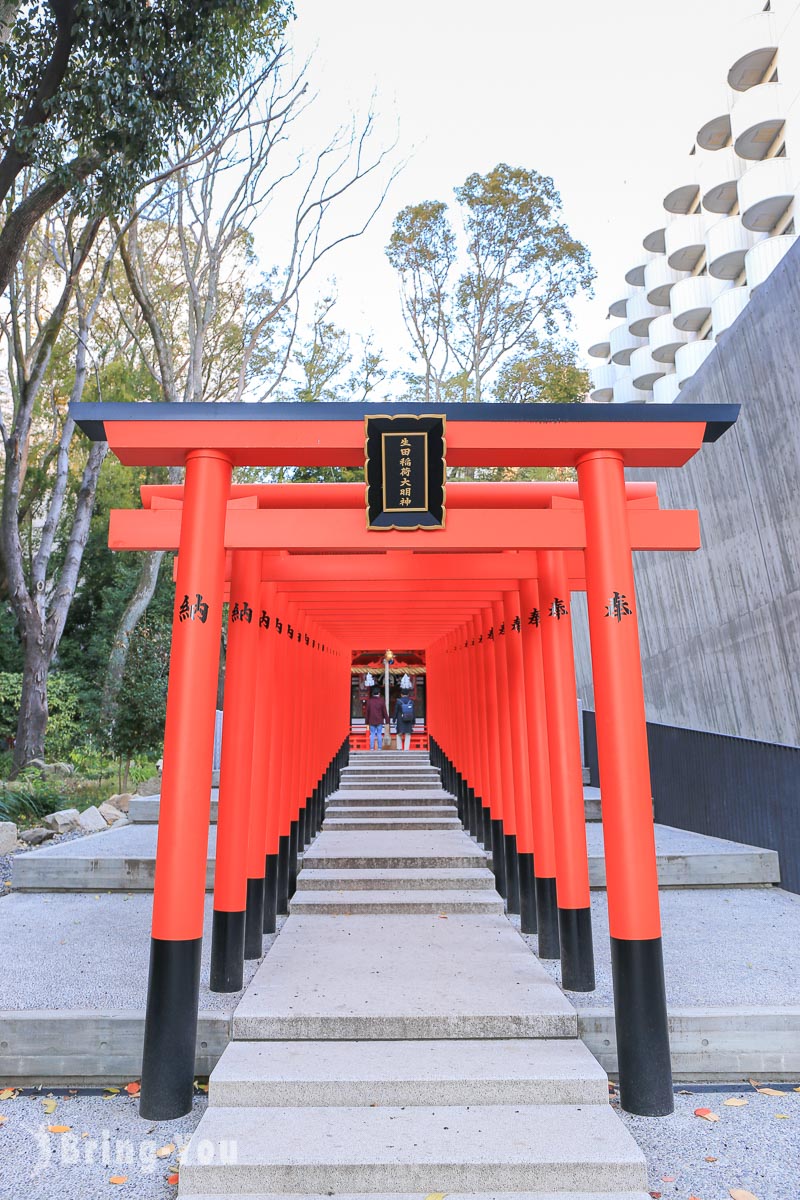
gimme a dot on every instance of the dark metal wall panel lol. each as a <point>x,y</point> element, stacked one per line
<point>727,787</point>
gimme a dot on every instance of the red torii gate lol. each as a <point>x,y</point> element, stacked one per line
<point>596,519</point>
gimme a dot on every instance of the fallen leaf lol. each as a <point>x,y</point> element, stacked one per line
<point>754,1083</point>
<point>173,1179</point>
<point>735,1102</point>
<point>782,1117</point>
<point>49,1106</point>
<point>668,1178</point>
<point>706,1114</point>
<point>768,1091</point>
<point>165,1151</point>
<point>435,1196</point>
<point>710,1159</point>
<point>656,1195</point>
<point>58,1128</point>
<point>442,917</point>
<point>7,1094</point>
<point>133,1089</point>
<point>3,1120</point>
<point>797,1089</point>
<point>740,1194</point>
<point>118,1179</point>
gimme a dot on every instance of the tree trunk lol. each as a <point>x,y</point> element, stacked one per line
<point>134,611</point>
<point>32,721</point>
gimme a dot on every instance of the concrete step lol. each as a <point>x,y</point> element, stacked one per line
<point>392,799</point>
<point>351,1074</point>
<point>591,804</point>
<point>334,824</point>
<point>502,1147</point>
<point>402,976</point>
<point>386,795</point>
<point>124,859</point>
<point>417,1196</point>
<point>395,880</point>
<point>363,901</point>
<point>397,849</point>
<point>387,783</point>
<point>391,810</point>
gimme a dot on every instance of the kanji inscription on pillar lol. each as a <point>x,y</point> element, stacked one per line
<point>405,472</point>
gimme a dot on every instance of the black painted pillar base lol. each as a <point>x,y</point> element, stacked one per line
<point>499,857</point>
<point>293,849</point>
<point>527,894</point>
<point>512,873</point>
<point>254,920</point>
<point>170,1029</point>
<point>577,952</point>
<point>485,814</point>
<point>476,808</point>
<point>640,1015</point>
<point>227,952</point>
<point>301,830</point>
<point>283,873</point>
<point>270,893</point>
<point>462,804</point>
<point>547,918</point>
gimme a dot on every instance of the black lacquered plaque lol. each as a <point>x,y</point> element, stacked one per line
<point>405,472</point>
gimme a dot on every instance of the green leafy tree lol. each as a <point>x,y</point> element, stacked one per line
<point>321,358</point>
<point>515,277</point>
<point>94,92</point>
<point>548,375</point>
<point>422,249</point>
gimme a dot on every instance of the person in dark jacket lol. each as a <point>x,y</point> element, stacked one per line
<point>404,717</point>
<point>375,715</point>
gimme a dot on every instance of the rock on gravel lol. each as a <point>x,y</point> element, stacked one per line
<point>8,836</point>
<point>122,801</point>
<point>63,821</point>
<point>91,820</point>
<point>110,813</point>
<point>35,836</point>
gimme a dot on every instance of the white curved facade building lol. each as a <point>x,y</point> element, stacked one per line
<point>725,224</point>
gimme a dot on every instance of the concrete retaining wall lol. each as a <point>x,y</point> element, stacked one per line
<point>721,628</point>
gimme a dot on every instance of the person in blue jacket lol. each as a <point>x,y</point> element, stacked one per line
<point>404,717</point>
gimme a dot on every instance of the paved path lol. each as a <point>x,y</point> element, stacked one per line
<point>400,1038</point>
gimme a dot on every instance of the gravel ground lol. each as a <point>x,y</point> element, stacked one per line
<point>750,1146</point>
<point>7,860</point>
<point>106,1140</point>
<point>723,947</point>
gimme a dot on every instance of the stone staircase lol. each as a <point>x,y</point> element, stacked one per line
<point>399,1039</point>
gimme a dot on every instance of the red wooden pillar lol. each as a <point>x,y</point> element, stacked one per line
<point>492,734</point>
<point>180,879</point>
<point>481,727</point>
<point>631,871</point>
<point>231,892</point>
<point>512,642</point>
<point>276,708</point>
<point>539,765</point>
<point>477,792</point>
<point>506,757</point>
<point>259,780</point>
<point>287,682</point>
<point>566,775</point>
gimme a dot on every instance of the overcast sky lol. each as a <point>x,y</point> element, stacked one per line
<point>605,97</point>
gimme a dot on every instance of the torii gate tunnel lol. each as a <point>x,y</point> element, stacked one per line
<point>487,597</point>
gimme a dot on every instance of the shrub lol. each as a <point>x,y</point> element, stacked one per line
<point>31,796</point>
